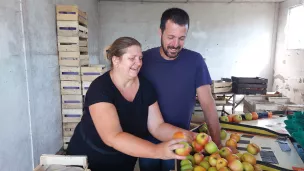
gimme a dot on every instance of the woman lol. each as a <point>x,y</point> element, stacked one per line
<point>120,109</point>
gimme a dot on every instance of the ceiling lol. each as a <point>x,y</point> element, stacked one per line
<point>189,1</point>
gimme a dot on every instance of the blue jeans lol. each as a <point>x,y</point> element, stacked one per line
<point>147,164</point>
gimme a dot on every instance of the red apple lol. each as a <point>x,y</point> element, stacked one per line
<point>198,157</point>
<point>221,163</point>
<point>202,138</point>
<point>213,159</point>
<point>231,143</point>
<point>247,157</point>
<point>197,147</point>
<point>230,118</point>
<point>237,118</point>
<point>232,157</point>
<point>236,165</point>
<point>225,151</point>
<point>247,166</point>
<point>211,147</point>
<point>199,168</point>
<point>236,137</point>
<point>185,150</point>
<point>253,148</point>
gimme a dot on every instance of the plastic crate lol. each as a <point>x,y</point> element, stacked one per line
<point>299,137</point>
<point>248,91</point>
<point>249,80</point>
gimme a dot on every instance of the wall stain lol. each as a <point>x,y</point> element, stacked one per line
<point>277,87</point>
<point>300,81</point>
<point>287,87</point>
<point>302,96</point>
<point>295,90</point>
<point>284,61</point>
<point>280,77</point>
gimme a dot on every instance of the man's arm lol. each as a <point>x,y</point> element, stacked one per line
<point>210,113</point>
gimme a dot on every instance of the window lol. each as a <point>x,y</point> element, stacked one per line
<point>295,28</point>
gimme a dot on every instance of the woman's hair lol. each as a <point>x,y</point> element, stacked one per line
<point>119,46</point>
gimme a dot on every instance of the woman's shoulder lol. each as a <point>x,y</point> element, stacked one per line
<point>102,82</point>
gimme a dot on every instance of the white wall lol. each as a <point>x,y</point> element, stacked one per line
<point>289,73</point>
<point>30,117</point>
<point>235,38</point>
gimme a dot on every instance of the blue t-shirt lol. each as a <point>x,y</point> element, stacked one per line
<point>175,82</point>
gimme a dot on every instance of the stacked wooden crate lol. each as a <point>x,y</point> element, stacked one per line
<point>72,36</point>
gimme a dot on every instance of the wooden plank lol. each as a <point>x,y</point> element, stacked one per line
<point>83,31</point>
<point>279,100</point>
<point>68,28</point>
<point>216,84</point>
<point>72,101</point>
<point>83,43</point>
<point>91,73</point>
<point>68,44</point>
<point>222,90</point>
<point>83,49</point>
<point>67,12</point>
<point>85,87</point>
<point>69,58</point>
<point>69,73</point>
<point>70,87</point>
<point>84,60</point>
<point>64,160</point>
<point>71,115</point>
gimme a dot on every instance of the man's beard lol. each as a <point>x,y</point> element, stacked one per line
<point>170,47</point>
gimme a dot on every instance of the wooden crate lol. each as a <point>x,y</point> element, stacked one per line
<point>84,59</point>
<point>71,13</point>
<point>66,141</point>
<point>69,73</point>
<point>219,86</point>
<point>69,59</point>
<point>83,42</point>
<point>90,73</point>
<point>72,101</point>
<point>70,87</point>
<point>85,87</point>
<point>48,161</point>
<point>68,44</point>
<point>71,115</point>
<point>69,128</point>
<point>71,29</point>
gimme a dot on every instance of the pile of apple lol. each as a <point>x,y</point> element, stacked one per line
<point>203,155</point>
<point>237,118</point>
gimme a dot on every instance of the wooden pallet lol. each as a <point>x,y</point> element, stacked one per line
<point>72,102</point>
<point>71,13</point>
<point>48,161</point>
<point>71,115</point>
<point>219,86</point>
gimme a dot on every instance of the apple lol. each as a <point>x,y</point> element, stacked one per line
<point>247,157</point>
<point>235,165</point>
<point>196,146</point>
<point>221,163</point>
<point>224,169</point>
<point>223,134</point>
<point>191,158</point>
<point>231,143</point>
<point>199,168</point>
<point>213,159</point>
<point>257,167</point>
<point>232,157</point>
<point>185,162</point>
<point>247,166</point>
<point>255,116</point>
<point>224,118</point>
<point>187,167</point>
<point>203,128</point>
<point>179,135</point>
<point>239,155</point>
<point>211,147</point>
<point>225,151</point>
<point>253,148</point>
<point>206,158</point>
<point>212,169</point>
<point>248,116</point>
<point>202,138</point>
<point>237,118</point>
<point>205,164</point>
<point>185,150</point>
<point>235,136</point>
<point>198,157</point>
<point>230,117</point>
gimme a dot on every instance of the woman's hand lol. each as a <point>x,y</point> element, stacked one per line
<point>165,150</point>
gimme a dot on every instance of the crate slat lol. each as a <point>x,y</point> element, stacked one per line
<point>70,87</point>
<point>69,73</point>
<point>72,101</point>
<point>71,115</point>
<point>85,87</point>
<point>83,49</point>
<point>68,28</point>
<point>69,59</point>
<point>83,43</point>
<point>90,73</point>
<point>84,60</point>
<point>68,44</point>
<point>221,90</point>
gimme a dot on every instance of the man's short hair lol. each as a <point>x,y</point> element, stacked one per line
<point>177,15</point>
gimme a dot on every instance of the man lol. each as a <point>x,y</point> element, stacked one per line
<point>178,75</point>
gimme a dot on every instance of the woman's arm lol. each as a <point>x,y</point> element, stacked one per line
<point>161,130</point>
<point>106,121</point>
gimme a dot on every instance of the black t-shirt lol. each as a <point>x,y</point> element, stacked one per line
<point>133,115</point>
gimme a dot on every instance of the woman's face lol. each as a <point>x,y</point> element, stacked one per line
<point>130,63</point>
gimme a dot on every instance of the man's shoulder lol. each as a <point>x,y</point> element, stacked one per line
<point>193,53</point>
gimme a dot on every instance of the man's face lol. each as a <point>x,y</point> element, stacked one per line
<point>173,39</point>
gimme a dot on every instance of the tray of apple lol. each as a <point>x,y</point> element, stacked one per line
<point>202,154</point>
